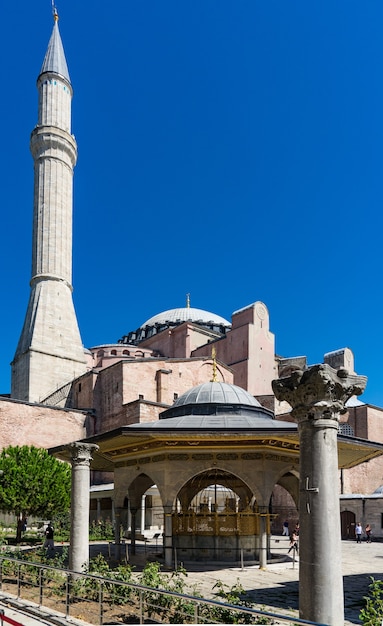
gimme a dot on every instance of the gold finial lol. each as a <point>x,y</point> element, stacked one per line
<point>54,11</point>
<point>213,356</point>
<point>188,300</point>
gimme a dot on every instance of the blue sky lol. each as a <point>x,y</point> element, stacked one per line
<point>227,149</point>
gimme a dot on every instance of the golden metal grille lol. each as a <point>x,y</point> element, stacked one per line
<point>218,524</point>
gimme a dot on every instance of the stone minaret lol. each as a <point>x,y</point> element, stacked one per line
<point>50,352</point>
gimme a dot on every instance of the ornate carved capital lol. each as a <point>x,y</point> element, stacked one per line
<point>320,392</point>
<point>81,453</point>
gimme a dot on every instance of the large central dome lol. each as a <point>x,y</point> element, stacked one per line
<point>186,314</point>
<point>215,324</point>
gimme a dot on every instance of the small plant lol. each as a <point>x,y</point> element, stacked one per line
<point>101,530</point>
<point>171,608</point>
<point>372,613</point>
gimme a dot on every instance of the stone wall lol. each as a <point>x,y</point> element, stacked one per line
<point>112,392</point>
<point>366,510</point>
<point>39,425</point>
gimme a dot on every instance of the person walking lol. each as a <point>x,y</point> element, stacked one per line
<point>358,532</point>
<point>285,531</point>
<point>368,532</point>
<point>49,537</point>
<point>293,543</point>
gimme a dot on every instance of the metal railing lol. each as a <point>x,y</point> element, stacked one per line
<point>99,600</point>
<point>8,620</point>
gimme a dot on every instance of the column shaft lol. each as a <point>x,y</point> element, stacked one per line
<point>318,396</point>
<point>79,530</point>
<point>320,550</point>
<point>168,537</point>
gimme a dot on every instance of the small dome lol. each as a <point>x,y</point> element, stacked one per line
<point>218,401</point>
<point>186,314</point>
<point>216,393</point>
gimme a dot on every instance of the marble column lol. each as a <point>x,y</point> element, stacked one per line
<point>81,456</point>
<point>117,533</point>
<point>317,397</point>
<point>168,536</point>
<point>143,499</point>
<point>113,514</point>
<point>263,542</point>
<point>133,513</point>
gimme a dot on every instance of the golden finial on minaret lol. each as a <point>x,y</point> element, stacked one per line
<point>213,356</point>
<point>54,11</point>
<point>188,300</point>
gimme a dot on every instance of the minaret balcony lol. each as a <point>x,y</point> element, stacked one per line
<point>53,142</point>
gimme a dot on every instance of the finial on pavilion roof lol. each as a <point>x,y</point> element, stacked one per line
<point>213,356</point>
<point>188,300</point>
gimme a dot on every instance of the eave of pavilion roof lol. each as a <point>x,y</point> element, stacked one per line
<point>128,446</point>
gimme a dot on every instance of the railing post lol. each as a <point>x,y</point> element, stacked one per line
<point>196,613</point>
<point>1,573</point>
<point>67,592</point>
<point>18,580</point>
<point>1,616</point>
<point>101,602</point>
<point>141,607</point>
<point>41,586</point>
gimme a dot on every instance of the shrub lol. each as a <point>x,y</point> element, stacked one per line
<point>372,613</point>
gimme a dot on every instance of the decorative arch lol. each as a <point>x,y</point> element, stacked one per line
<point>216,516</point>
<point>137,488</point>
<point>289,480</point>
<point>220,482</point>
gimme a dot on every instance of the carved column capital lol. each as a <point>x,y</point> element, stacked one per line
<point>318,393</point>
<point>81,452</point>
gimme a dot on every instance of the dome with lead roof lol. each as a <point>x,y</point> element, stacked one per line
<point>209,402</point>
<point>186,314</point>
<point>172,318</point>
<point>217,393</point>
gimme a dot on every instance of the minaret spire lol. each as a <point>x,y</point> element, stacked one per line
<point>50,352</point>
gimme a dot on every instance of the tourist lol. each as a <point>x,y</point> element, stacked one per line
<point>49,534</point>
<point>285,531</point>
<point>293,543</point>
<point>368,532</point>
<point>358,532</point>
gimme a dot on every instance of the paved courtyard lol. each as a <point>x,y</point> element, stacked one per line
<point>276,588</point>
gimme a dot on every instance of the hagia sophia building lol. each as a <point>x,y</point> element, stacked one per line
<point>63,392</point>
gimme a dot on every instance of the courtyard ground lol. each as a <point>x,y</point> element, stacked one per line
<point>276,588</point>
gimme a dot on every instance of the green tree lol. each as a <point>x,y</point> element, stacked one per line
<point>33,483</point>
